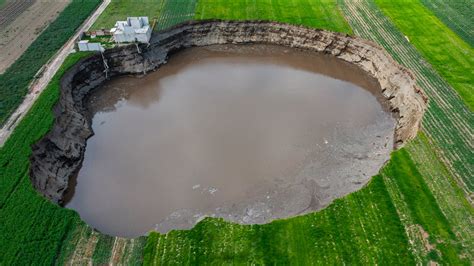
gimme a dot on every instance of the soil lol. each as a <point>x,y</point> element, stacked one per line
<point>20,27</point>
<point>10,10</point>
<point>59,155</point>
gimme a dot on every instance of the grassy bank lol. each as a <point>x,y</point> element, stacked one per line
<point>15,80</point>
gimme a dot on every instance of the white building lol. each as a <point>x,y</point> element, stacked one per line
<point>85,45</point>
<point>135,29</point>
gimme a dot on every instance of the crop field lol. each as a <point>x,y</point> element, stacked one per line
<point>443,49</point>
<point>447,121</point>
<point>457,15</point>
<point>121,9</point>
<point>32,229</point>
<point>175,12</point>
<point>15,80</point>
<point>322,14</point>
<point>25,25</point>
<point>11,10</point>
<point>417,210</point>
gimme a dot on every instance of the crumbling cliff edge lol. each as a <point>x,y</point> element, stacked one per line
<point>59,154</point>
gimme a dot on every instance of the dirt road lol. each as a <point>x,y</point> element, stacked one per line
<point>49,70</point>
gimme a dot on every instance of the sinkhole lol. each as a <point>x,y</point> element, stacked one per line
<point>249,133</point>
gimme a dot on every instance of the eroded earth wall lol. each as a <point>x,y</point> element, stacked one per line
<point>59,154</point>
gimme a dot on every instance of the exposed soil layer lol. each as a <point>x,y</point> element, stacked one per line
<point>250,133</point>
<point>59,154</point>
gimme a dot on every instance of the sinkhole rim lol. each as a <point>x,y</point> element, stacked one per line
<point>58,155</point>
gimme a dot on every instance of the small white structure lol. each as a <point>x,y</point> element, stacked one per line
<point>135,29</point>
<point>85,45</point>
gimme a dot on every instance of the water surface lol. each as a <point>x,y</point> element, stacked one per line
<point>248,133</point>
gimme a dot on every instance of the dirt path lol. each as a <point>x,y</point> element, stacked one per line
<point>49,70</point>
<point>17,36</point>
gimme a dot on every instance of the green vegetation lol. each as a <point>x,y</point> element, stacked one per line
<point>415,193</point>
<point>423,209</point>
<point>121,9</point>
<point>457,15</point>
<point>447,121</point>
<point>443,49</point>
<point>364,227</point>
<point>446,124</point>
<point>414,211</point>
<point>103,250</point>
<point>450,198</point>
<point>322,14</point>
<point>32,228</point>
<point>14,82</point>
<point>175,12</point>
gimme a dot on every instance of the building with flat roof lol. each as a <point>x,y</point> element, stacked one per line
<point>85,45</point>
<point>134,29</point>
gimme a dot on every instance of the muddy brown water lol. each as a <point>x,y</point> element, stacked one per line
<point>247,133</point>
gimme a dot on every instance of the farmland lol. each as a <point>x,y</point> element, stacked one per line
<point>416,210</point>
<point>10,10</point>
<point>121,9</point>
<point>319,14</point>
<point>14,82</point>
<point>456,15</point>
<point>448,121</point>
<point>26,26</point>
<point>443,49</point>
<point>167,13</point>
<point>175,12</point>
<point>30,223</point>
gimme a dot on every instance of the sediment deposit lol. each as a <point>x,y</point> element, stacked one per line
<point>59,154</point>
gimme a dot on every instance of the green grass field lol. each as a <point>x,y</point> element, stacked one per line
<point>448,121</point>
<point>452,57</point>
<point>175,12</point>
<point>322,14</point>
<point>414,212</point>
<point>457,15</point>
<point>362,228</point>
<point>32,228</point>
<point>121,9</point>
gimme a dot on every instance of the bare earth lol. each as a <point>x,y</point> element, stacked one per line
<point>11,10</point>
<point>49,70</point>
<point>20,33</point>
